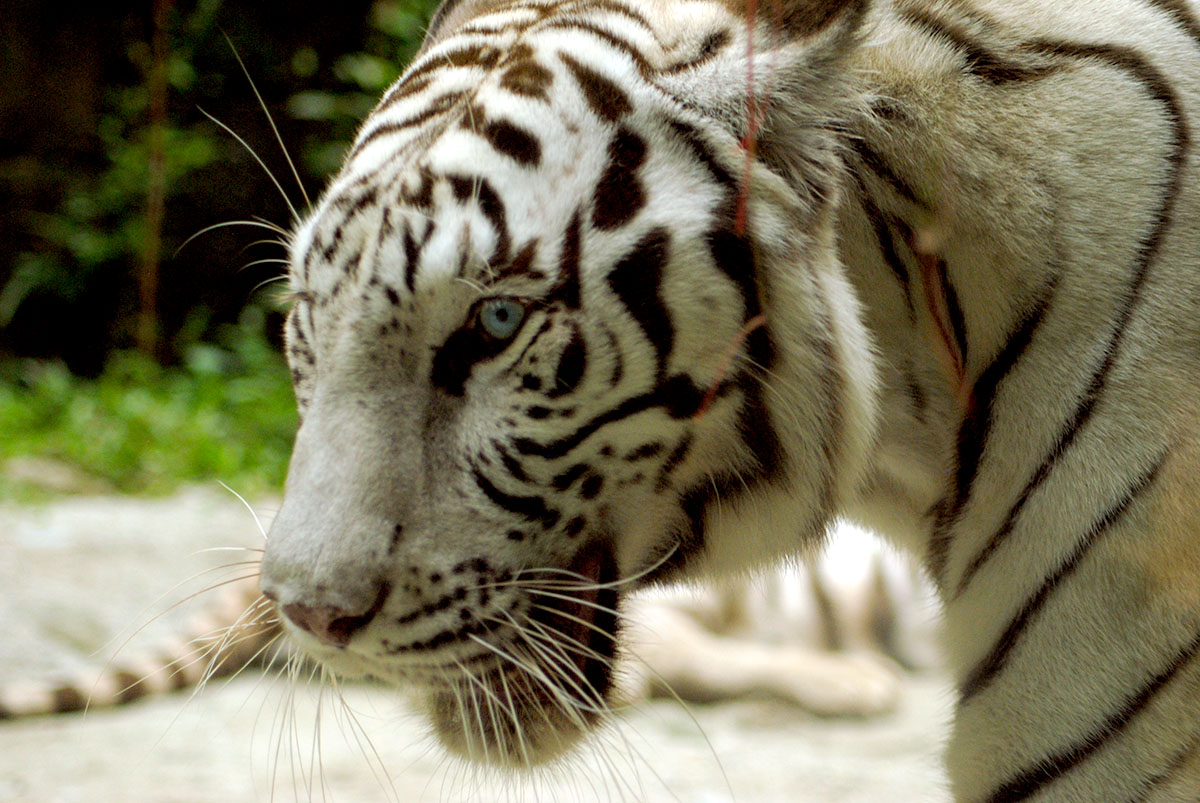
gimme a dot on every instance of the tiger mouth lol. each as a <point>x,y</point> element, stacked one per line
<point>554,677</point>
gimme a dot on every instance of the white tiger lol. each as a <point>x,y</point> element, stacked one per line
<point>614,292</point>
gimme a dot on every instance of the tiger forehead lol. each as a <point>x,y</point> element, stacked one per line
<point>670,23</point>
<point>478,160</point>
<point>518,47</point>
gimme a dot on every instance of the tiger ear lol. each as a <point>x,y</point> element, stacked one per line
<point>448,16</point>
<point>782,77</point>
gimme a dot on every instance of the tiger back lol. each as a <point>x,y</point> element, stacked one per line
<point>612,293</point>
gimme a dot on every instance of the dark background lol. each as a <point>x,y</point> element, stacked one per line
<point>77,132</point>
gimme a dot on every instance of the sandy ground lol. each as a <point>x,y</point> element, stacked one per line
<point>79,572</point>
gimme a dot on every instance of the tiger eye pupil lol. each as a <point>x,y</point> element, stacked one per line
<point>501,318</point>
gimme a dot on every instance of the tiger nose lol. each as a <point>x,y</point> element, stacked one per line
<point>332,625</point>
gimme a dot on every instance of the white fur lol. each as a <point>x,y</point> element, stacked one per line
<point>1026,150</point>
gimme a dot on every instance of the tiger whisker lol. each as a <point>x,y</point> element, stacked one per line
<point>288,201</point>
<point>557,661</point>
<point>588,603</point>
<point>278,137</point>
<point>579,621</point>
<point>591,584</point>
<point>246,504</point>
<point>560,643</point>
<point>163,612</point>
<point>533,668</point>
<point>261,224</point>
<point>663,683</point>
<point>493,702</point>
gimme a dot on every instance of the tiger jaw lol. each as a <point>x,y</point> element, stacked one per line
<point>533,681</point>
<point>551,687</point>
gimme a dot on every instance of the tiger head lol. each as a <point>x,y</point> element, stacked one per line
<point>569,321</point>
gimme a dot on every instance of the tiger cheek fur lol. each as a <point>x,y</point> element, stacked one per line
<point>615,292</point>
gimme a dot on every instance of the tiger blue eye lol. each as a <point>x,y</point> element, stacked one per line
<point>501,317</point>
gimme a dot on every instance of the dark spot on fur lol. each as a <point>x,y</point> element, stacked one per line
<point>527,78</point>
<point>571,366</point>
<point>605,98</point>
<point>567,478</point>
<point>514,142</point>
<point>619,195</point>
<point>645,450</point>
<point>591,486</point>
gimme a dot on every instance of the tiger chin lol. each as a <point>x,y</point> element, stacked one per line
<point>610,293</point>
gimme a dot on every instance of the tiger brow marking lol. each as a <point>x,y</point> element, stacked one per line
<point>637,281</point>
<point>619,194</point>
<point>1157,87</point>
<point>509,139</point>
<point>566,287</point>
<point>521,265</point>
<point>991,666</point>
<point>605,98</point>
<point>1051,768</point>
<point>492,207</point>
<point>608,37</point>
<point>528,79</point>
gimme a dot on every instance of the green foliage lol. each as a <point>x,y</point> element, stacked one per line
<point>397,27</point>
<point>225,411</point>
<point>100,221</point>
<point>226,414</point>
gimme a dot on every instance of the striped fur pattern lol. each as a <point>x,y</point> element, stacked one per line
<point>235,628</point>
<point>612,292</point>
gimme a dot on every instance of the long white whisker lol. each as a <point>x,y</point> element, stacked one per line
<point>588,583</point>
<point>257,521</point>
<point>261,224</point>
<point>555,659</point>
<point>271,120</point>
<point>261,163</point>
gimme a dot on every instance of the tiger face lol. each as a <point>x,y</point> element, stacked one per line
<point>535,342</point>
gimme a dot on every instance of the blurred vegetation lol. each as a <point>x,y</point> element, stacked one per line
<point>79,137</point>
<point>225,413</point>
